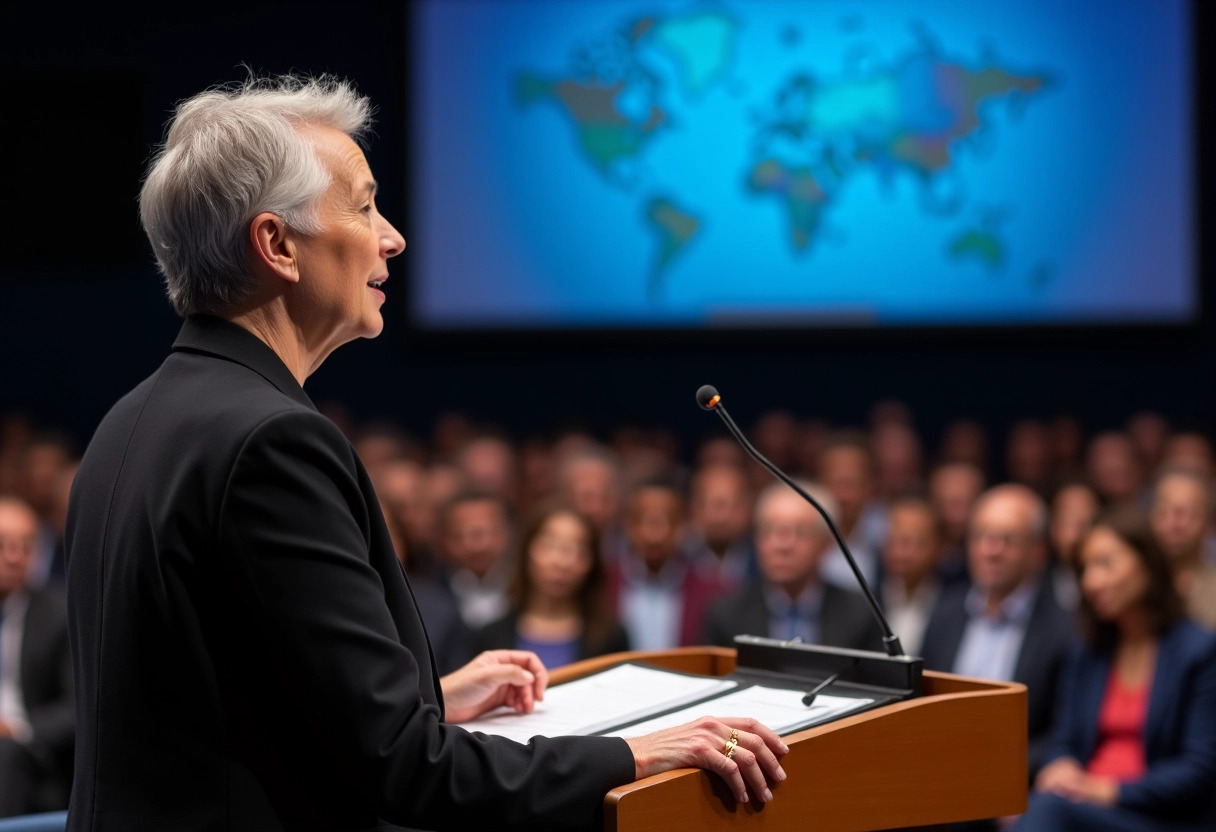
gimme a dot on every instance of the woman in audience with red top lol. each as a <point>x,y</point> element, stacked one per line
<point>1135,742</point>
<point>560,607</point>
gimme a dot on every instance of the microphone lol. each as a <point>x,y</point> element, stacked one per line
<point>709,398</point>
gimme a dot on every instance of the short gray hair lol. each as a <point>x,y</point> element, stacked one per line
<point>230,153</point>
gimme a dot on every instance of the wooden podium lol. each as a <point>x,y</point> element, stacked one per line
<point>956,753</point>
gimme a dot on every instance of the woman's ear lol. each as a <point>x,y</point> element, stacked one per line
<point>273,249</point>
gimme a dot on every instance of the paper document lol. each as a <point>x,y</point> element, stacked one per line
<point>601,701</point>
<point>778,708</point>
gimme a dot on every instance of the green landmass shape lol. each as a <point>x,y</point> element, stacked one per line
<point>800,192</point>
<point>702,44</point>
<point>980,245</point>
<point>605,134</point>
<point>910,115</point>
<point>675,229</point>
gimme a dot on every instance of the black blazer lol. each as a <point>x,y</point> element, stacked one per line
<point>501,634</point>
<point>845,619</point>
<point>1049,633</point>
<point>248,653</point>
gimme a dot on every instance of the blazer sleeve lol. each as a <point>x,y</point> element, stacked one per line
<point>294,526</point>
<point>1187,779</point>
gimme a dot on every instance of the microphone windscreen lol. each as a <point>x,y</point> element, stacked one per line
<point>708,397</point>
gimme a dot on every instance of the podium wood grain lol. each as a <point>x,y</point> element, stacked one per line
<point>956,753</point>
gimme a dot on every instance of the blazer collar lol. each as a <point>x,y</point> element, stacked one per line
<point>209,335</point>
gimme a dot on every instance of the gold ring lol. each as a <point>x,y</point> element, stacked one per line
<point>729,748</point>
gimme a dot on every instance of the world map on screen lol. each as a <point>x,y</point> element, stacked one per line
<point>910,114</point>
<point>797,163</point>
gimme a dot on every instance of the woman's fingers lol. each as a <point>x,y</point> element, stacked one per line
<point>763,743</point>
<point>748,771</point>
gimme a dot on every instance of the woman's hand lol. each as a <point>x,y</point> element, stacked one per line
<point>1059,775</point>
<point>702,743</point>
<point>514,678</point>
<point>1066,778</point>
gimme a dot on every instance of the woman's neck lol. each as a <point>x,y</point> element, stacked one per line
<point>550,609</point>
<point>1134,628</point>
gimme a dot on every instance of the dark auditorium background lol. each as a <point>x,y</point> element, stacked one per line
<point>89,88</point>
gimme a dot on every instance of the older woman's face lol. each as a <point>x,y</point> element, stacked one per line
<point>338,297</point>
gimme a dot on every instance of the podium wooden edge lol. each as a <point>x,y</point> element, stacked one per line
<point>956,753</point>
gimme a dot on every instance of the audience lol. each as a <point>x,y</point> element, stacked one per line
<point>953,489</point>
<point>1028,456</point>
<point>789,600</point>
<point>910,558</point>
<point>1148,432</point>
<point>965,441</point>
<point>645,552</point>
<point>1135,741</point>
<point>720,538</point>
<point>476,534</point>
<point>1181,521</point>
<point>488,464</point>
<point>846,469</point>
<point>898,459</point>
<point>47,456</point>
<point>37,711</point>
<point>657,592</point>
<point>559,606</point>
<point>1114,469</point>
<point>589,479</point>
<point>1006,625</point>
<point>1073,509</point>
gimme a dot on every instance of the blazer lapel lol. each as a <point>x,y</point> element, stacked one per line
<point>1092,681</point>
<point>1164,694</point>
<point>217,337</point>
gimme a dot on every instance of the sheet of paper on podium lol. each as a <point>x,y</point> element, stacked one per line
<point>619,695</point>
<point>779,708</point>
<point>645,699</point>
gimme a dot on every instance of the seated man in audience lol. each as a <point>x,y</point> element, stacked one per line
<point>477,537</point>
<point>846,469</point>
<point>1181,522</point>
<point>1114,469</point>
<point>656,591</point>
<point>589,478</point>
<point>37,713</point>
<point>1189,449</point>
<point>44,462</point>
<point>720,539</point>
<point>1007,625</point>
<point>489,465</point>
<point>789,600</point>
<point>911,587</point>
<point>953,488</point>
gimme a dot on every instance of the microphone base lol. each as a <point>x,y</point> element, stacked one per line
<point>899,677</point>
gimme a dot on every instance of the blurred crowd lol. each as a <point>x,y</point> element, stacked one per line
<point>576,545</point>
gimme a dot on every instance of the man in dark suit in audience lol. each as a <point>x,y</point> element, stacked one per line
<point>789,600</point>
<point>37,714</point>
<point>1006,624</point>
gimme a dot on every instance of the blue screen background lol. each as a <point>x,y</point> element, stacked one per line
<point>1068,203</point>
